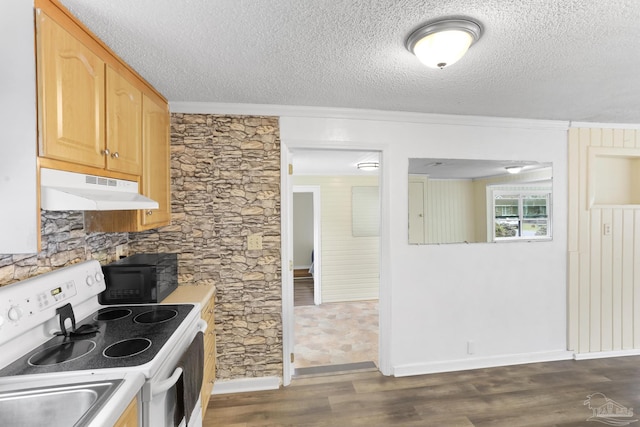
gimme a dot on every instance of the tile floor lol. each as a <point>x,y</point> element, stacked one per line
<point>336,333</point>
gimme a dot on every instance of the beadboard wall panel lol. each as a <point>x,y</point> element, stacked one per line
<point>350,265</point>
<point>449,211</point>
<point>603,243</point>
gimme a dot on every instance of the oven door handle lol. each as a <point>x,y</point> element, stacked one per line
<point>165,385</point>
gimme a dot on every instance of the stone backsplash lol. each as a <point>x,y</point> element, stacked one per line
<point>225,182</point>
<point>64,242</point>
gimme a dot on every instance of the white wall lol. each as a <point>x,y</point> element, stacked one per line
<point>18,214</point>
<point>509,298</point>
<point>302,229</point>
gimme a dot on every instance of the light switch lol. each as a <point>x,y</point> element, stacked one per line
<point>254,242</point>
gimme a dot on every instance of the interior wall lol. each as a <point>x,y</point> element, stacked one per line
<point>19,224</point>
<point>302,230</point>
<point>604,242</point>
<point>350,265</point>
<point>509,299</point>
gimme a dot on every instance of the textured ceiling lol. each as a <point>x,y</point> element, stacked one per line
<point>544,59</point>
<point>469,168</point>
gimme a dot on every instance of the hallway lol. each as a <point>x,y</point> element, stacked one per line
<point>336,333</point>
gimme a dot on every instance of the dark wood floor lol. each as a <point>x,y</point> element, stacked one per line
<point>303,291</point>
<point>541,394</point>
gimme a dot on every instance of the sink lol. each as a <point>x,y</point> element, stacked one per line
<point>65,405</point>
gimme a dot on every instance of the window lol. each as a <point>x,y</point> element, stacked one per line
<point>521,215</point>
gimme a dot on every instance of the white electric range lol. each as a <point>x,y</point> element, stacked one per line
<point>41,341</point>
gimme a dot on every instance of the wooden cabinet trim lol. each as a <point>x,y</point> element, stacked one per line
<point>43,162</point>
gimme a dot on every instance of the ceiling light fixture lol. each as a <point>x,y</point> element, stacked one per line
<point>368,166</point>
<point>514,169</point>
<point>443,43</point>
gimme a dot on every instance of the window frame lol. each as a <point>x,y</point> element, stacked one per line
<point>521,193</point>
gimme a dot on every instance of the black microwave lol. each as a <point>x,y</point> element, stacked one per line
<point>140,279</point>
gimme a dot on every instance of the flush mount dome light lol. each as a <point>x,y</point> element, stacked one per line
<point>514,169</point>
<point>443,43</point>
<point>368,166</point>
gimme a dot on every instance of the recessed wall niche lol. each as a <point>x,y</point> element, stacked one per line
<point>614,177</point>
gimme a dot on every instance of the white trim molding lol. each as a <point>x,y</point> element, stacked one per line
<point>245,385</point>
<point>606,354</point>
<point>597,125</point>
<point>482,362</point>
<point>360,114</point>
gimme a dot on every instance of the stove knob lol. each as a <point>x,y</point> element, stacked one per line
<point>90,280</point>
<point>99,276</point>
<point>14,313</point>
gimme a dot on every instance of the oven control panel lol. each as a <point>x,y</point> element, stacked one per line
<point>32,302</point>
<point>53,296</point>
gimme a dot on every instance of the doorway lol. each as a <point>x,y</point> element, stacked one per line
<point>307,253</point>
<point>340,331</point>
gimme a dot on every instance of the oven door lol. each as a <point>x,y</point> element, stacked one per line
<point>160,393</point>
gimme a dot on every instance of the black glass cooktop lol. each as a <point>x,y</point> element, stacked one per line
<point>126,336</point>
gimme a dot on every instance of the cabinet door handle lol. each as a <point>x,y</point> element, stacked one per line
<point>106,152</point>
<point>149,212</point>
<point>115,155</point>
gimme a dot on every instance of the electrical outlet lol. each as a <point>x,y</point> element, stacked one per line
<point>606,229</point>
<point>121,251</point>
<point>254,242</point>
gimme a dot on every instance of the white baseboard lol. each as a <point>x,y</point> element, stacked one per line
<point>605,354</point>
<point>480,362</point>
<point>244,385</point>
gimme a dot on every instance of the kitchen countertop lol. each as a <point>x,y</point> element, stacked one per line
<point>197,293</point>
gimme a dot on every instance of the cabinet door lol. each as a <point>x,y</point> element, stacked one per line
<point>124,125</point>
<point>129,417</point>
<point>155,146</point>
<point>71,97</point>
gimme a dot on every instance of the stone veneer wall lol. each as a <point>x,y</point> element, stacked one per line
<point>225,182</point>
<point>64,242</point>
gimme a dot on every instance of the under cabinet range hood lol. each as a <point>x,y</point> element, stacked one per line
<point>70,191</point>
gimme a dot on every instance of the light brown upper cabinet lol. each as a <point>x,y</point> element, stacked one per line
<point>71,97</point>
<point>124,128</point>
<point>96,115</point>
<point>89,114</point>
<point>156,179</point>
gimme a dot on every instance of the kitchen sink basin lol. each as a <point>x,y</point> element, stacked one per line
<point>64,405</point>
